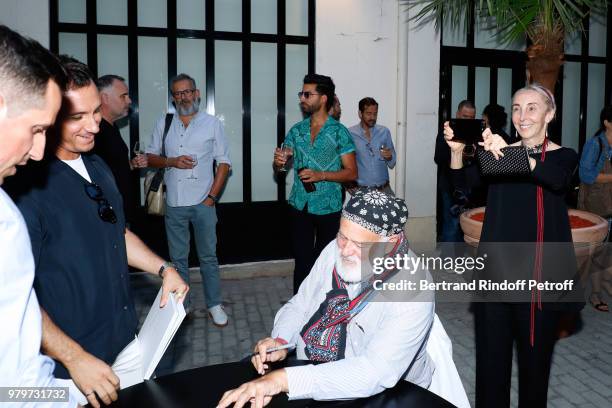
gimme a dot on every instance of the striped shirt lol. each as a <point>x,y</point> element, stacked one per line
<point>383,341</point>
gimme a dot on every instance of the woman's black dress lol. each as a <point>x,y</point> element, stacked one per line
<point>508,236</point>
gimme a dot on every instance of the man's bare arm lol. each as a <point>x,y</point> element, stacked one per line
<point>56,344</point>
<point>180,162</point>
<point>90,374</point>
<point>220,178</point>
<point>603,178</point>
<point>141,257</point>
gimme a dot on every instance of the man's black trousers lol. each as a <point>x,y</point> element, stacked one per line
<point>310,233</point>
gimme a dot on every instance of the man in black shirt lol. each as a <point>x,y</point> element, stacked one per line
<point>110,146</point>
<point>450,230</point>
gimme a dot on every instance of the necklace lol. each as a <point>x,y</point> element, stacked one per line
<point>534,149</point>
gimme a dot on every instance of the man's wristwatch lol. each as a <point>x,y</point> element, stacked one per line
<point>163,268</point>
<point>214,198</point>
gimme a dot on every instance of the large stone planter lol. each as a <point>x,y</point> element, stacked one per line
<point>586,239</point>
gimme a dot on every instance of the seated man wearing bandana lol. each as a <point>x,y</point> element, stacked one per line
<point>366,346</point>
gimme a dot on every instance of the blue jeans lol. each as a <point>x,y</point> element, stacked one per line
<point>204,221</point>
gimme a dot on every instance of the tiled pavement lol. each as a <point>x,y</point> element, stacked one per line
<point>582,368</point>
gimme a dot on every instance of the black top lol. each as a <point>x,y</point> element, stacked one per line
<point>511,219</point>
<point>512,206</point>
<point>113,150</point>
<point>81,276</point>
<point>474,189</point>
<point>442,158</point>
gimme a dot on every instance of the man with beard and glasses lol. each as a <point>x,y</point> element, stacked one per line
<point>194,141</point>
<point>323,153</point>
<point>374,148</point>
<point>366,343</point>
<point>82,249</point>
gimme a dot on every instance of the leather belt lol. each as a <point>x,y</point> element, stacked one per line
<point>379,187</point>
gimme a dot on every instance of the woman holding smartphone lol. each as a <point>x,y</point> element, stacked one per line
<point>522,209</point>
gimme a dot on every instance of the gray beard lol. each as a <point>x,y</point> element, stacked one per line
<point>348,274</point>
<point>188,110</point>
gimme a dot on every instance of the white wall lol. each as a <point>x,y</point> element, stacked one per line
<point>356,44</point>
<point>29,17</point>
<point>371,49</point>
<point>422,80</point>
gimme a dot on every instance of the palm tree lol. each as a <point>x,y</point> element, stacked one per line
<point>544,22</point>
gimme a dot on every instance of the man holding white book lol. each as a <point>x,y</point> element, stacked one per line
<point>82,248</point>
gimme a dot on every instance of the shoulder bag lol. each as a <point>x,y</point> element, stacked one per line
<point>154,186</point>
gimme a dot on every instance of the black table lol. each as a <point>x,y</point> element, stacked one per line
<point>203,387</point>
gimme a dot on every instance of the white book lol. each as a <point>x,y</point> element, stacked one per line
<point>138,360</point>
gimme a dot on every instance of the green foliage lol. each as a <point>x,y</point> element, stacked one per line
<point>512,19</point>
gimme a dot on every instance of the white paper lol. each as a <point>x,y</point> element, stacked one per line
<point>138,360</point>
<point>157,332</point>
<point>128,365</point>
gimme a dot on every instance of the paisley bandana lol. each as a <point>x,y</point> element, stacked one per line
<point>377,211</point>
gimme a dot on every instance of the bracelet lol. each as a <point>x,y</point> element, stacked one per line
<point>214,198</point>
<point>163,268</point>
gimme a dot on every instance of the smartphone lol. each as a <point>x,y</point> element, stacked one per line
<point>468,131</point>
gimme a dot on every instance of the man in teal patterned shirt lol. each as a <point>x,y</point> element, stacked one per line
<point>324,157</point>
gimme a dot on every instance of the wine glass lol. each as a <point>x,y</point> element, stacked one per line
<point>138,150</point>
<point>382,148</point>
<point>287,153</point>
<point>194,159</point>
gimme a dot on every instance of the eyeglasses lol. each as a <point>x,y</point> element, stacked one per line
<point>186,92</point>
<point>307,94</point>
<point>343,240</point>
<point>105,210</point>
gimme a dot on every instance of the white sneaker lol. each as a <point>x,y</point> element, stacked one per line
<point>218,316</point>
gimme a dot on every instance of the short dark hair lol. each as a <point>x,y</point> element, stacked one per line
<point>182,77</point>
<point>325,86</point>
<point>26,67</point>
<point>497,116</point>
<point>106,81</point>
<point>466,104</point>
<point>365,102</point>
<point>606,114</point>
<point>79,75</point>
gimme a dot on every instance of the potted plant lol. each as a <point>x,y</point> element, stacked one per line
<point>544,23</point>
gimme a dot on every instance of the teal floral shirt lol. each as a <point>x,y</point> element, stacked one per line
<point>333,141</point>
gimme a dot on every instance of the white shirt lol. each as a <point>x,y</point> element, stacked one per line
<point>203,137</point>
<point>383,341</point>
<point>21,363</point>
<point>78,166</point>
